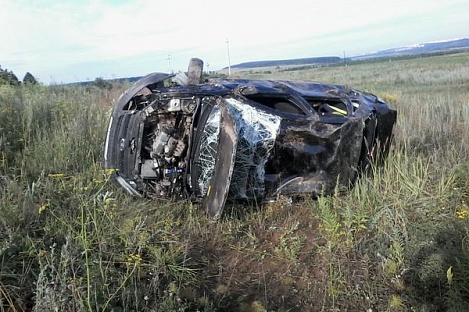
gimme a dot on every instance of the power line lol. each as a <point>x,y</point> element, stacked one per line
<point>169,64</point>
<point>229,61</point>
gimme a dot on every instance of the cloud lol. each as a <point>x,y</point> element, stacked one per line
<point>67,38</point>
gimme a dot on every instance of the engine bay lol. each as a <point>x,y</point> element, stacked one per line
<point>167,125</point>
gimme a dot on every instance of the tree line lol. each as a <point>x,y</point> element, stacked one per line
<point>8,77</point>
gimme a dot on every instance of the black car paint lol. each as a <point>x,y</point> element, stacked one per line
<point>314,147</point>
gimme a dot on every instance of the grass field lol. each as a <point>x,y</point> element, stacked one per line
<point>397,241</point>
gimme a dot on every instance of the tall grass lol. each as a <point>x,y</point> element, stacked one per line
<point>397,241</point>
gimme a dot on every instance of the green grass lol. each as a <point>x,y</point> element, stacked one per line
<point>397,241</point>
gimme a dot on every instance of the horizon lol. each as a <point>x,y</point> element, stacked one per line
<point>72,41</point>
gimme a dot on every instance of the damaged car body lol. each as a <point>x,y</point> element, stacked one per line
<point>174,136</point>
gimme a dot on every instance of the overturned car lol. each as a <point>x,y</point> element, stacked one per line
<point>174,136</point>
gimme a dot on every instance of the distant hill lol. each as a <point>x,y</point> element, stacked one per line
<point>421,48</point>
<point>416,49</point>
<point>300,61</point>
<point>127,79</point>
<point>93,82</point>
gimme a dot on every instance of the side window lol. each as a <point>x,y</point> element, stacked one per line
<point>329,108</point>
<point>281,104</point>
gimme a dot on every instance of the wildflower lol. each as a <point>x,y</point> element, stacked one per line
<point>109,171</point>
<point>56,175</point>
<point>134,258</point>
<point>462,214</point>
<point>42,208</point>
<point>396,303</point>
<point>98,181</point>
<point>107,201</point>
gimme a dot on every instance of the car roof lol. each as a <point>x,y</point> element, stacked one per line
<point>303,88</point>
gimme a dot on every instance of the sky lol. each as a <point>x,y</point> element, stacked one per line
<point>79,40</point>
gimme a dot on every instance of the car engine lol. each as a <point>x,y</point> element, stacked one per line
<point>165,142</point>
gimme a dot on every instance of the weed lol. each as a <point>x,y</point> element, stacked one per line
<point>397,241</point>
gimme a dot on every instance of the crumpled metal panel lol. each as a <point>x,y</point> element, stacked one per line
<point>256,131</point>
<point>325,154</point>
<point>219,185</point>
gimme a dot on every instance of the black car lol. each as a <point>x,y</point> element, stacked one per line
<point>174,136</point>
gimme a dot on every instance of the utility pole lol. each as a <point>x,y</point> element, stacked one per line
<point>229,61</point>
<point>170,71</point>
